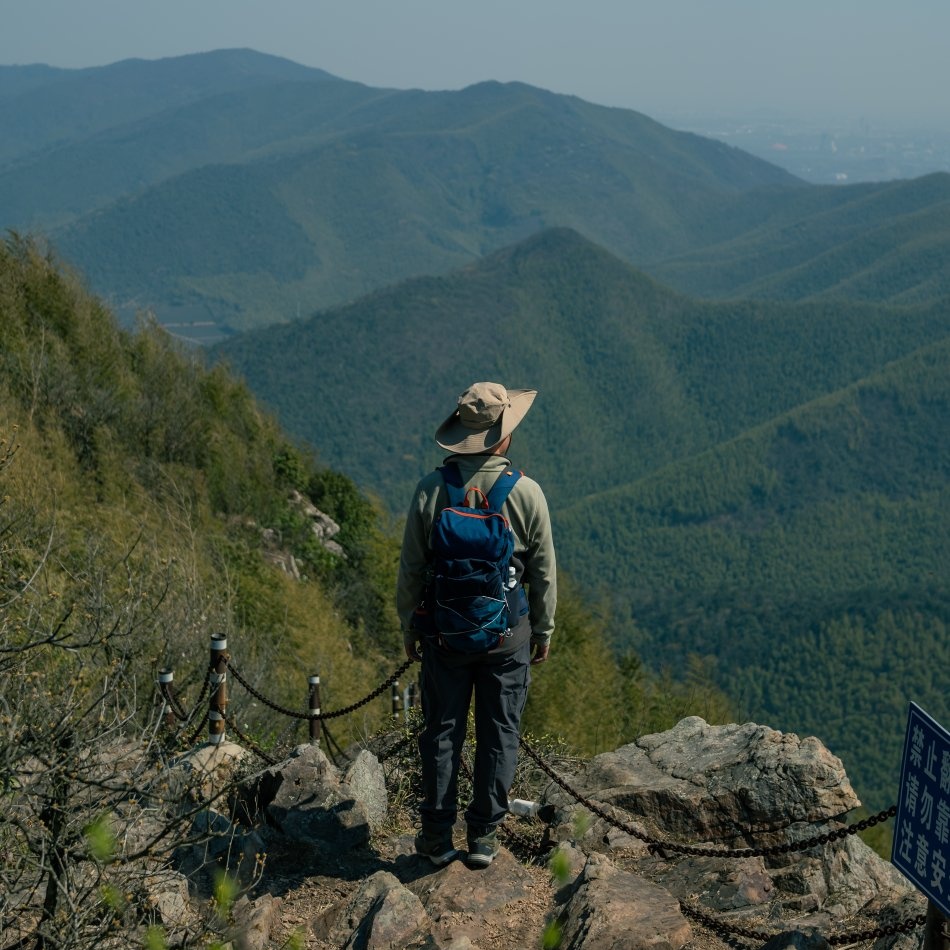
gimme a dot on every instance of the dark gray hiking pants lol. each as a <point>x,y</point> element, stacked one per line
<point>499,683</point>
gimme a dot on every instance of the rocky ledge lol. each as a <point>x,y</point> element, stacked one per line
<point>587,879</point>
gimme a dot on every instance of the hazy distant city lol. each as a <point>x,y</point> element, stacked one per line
<point>827,152</point>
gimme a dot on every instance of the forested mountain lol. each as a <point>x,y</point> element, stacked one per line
<point>736,479</point>
<point>809,556</point>
<point>633,376</point>
<point>42,107</point>
<point>368,185</point>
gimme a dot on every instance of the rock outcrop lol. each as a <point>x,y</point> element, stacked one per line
<point>758,797</point>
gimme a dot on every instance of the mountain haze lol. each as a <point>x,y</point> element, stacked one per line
<point>42,107</point>
<point>238,190</point>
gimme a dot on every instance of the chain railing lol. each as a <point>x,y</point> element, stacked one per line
<point>663,847</point>
<point>724,929</point>
<point>222,663</point>
<point>307,714</point>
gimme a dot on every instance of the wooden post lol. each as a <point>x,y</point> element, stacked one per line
<point>314,706</point>
<point>165,680</point>
<point>936,930</point>
<point>218,678</point>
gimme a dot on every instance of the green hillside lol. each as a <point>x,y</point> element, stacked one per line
<point>409,183</point>
<point>147,502</point>
<point>173,159</point>
<point>386,184</point>
<point>59,184</point>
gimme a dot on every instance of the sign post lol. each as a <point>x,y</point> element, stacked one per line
<point>921,850</point>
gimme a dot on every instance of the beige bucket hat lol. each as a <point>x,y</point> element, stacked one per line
<point>487,413</point>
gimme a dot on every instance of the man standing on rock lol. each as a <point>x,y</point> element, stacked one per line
<point>478,436</point>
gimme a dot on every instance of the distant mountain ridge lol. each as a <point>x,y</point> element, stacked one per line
<point>42,107</point>
<point>384,183</point>
<point>242,190</point>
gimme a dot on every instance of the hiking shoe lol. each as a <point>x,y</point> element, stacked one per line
<point>482,848</point>
<point>436,846</point>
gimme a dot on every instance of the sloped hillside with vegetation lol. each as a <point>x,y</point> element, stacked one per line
<point>131,468</point>
<point>378,184</point>
<point>885,243</point>
<point>236,190</point>
<point>632,376</point>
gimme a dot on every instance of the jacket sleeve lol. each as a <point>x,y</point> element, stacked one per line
<point>540,574</point>
<point>413,560</point>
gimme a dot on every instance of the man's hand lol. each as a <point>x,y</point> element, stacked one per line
<point>540,653</point>
<point>412,651</point>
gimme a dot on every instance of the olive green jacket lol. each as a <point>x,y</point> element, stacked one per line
<point>526,510</point>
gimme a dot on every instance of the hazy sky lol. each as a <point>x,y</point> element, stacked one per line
<point>878,59</point>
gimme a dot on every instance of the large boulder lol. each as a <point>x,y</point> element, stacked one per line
<point>703,783</point>
<point>305,799</point>
<point>728,788</point>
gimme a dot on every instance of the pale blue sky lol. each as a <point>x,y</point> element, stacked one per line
<point>879,59</point>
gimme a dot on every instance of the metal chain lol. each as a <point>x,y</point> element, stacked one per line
<point>657,845</point>
<point>172,701</point>
<point>248,741</point>
<point>310,715</point>
<point>720,927</point>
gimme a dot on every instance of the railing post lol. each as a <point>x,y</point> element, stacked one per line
<point>165,679</point>
<point>936,930</point>
<point>218,679</point>
<point>396,699</point>
<point>314,706</point>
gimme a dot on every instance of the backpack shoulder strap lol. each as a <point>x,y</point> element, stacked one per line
<point>502,488</point>
<point>454,486</point>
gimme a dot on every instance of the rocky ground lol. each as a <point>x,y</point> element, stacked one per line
<point>341,872</point>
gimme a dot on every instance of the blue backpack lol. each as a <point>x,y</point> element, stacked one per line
<point>472,574</point>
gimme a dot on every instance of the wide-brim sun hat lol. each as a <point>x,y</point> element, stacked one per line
<point>487,414</point>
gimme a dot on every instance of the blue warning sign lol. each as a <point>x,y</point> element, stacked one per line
<point>922,825</point>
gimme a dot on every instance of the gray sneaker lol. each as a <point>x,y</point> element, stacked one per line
<point>436,846</point>
<point>482,848</point>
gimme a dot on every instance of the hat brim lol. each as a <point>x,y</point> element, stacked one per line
<point>460,439</point>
